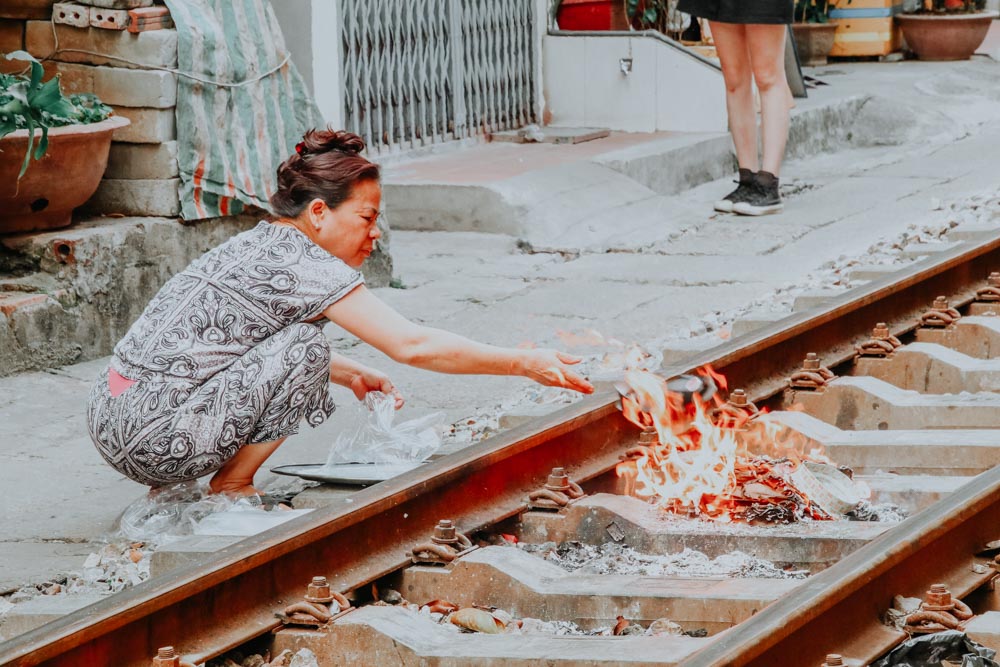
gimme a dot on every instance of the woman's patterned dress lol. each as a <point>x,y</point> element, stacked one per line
<point>222,357</point>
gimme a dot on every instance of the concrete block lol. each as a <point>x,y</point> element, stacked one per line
<point>749,323</point>
<point>26,9</point>
<point>118,86</point>
<point>156,47</point>
<point>36,612</point>
<point>871,272</point>
<point>985,629</point>
<point>812,299</point>
<point>680,350</point>
<point>187,550</point>
<point>12,301</point>
<point>121,4</point>
<point>11,36</point>
<point>149,126</point>
<point>526,413</point>
<point>143,197</point>
<point>915,250</point>
<point>142,161</point>
<point>109,19</point>
<point>71,13</point>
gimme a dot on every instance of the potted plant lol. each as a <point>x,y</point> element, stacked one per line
<point>814,31</point>
<point>53,149</point>
<point>946,29</point>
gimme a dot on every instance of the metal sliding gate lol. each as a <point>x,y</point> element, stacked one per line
<point>417,72</point>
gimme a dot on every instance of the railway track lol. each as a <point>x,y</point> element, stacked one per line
<point>905,412</point>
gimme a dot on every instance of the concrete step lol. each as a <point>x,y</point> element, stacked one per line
<point>812,545</point>
<point>528,586</point>
<point>398,637</point>
<point>860,403</point>
<point>932,369</point>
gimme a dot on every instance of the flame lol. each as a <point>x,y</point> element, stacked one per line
<point>710,458</point>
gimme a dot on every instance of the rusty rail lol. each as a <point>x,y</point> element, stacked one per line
<point>205,609</point>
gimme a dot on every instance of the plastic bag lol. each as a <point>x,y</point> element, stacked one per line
<point>175,511</point>
<point>931,650</point>
<point>375,439</point>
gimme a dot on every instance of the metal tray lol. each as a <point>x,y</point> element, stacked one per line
<point>359,474</point>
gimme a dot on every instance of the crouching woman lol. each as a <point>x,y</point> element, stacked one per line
<point>229,357</point>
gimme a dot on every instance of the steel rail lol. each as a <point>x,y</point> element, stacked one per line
<point>207,608</point>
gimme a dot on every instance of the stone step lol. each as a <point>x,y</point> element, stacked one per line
<point>117,86</point>
<point>975,335</point>
<point>932,369</point>
<point>951,453</point>
<point>813,545</point>
<point>138,197</point>
<point>398,637</point>
<point>155,48</point>
<point>860,403</point>
<point>528,586</point>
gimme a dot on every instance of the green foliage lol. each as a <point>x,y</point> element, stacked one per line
<point>26,102</point>
<point>812,11</point>
<point>649,14</point>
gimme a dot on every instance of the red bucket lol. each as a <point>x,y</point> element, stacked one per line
<point>592,15</point>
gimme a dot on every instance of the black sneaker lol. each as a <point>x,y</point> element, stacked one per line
<point>725,205</point>
<point>763,198</point>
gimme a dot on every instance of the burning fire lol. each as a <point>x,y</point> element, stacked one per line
<point>711,459</point>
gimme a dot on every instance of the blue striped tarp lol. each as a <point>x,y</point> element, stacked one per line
<point>231,138</point>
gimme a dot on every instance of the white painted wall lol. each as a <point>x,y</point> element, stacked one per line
<point>312,35</point>
<point>666,89</point>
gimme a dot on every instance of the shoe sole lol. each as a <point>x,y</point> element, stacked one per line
<point>758,210</point>
<point>723,206</point>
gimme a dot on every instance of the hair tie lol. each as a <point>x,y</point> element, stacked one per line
<point>299,147</point>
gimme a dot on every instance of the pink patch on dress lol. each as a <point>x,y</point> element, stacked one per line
<point>117,384</point>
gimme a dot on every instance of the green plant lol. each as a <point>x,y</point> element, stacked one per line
<point>26,102</point>
<point>659,15</point>
<point>812,11</point>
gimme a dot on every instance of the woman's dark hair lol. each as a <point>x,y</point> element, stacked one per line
<point>326,165</point>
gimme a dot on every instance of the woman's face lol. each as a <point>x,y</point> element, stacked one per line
<point>349,232</point>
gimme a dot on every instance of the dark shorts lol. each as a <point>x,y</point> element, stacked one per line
<point>740,11</point>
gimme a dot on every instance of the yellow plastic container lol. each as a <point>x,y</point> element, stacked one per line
<point>865,27</point>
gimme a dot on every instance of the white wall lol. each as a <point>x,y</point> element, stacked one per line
<point>666,89</point>
<point>312,35</point>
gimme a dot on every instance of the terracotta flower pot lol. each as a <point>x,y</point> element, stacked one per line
<point>813,41</point>
<point>62,180</point>
<point>945,36</point>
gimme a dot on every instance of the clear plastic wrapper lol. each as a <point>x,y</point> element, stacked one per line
<point>374,438</point>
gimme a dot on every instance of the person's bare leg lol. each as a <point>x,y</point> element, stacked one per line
<point>767,59</point>
<point>235,478</point>
<point>734,54</point>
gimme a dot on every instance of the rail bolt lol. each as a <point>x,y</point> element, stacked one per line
<point>648,436</point>
<point>939,599</point>
<point>833,660</point>
<point>940,315</point>
<point>166,656</point>
<point>881,344</point>
<point>445,532</point>
<point>558,480</point>
<point>990,293</point>
<point>319,590</point>
<point>738,398</point>
<point>813,374</point>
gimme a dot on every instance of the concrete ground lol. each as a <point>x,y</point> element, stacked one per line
<point>921,160</point>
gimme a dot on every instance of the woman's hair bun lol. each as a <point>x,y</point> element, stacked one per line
<point>323,141</point>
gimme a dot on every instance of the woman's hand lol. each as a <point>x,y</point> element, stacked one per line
<point>550,368</point>
<point>370,379</point>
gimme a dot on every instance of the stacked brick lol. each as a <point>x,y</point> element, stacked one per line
<point>113,48</point>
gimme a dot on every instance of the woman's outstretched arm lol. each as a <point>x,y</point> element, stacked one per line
<point>373,321</point>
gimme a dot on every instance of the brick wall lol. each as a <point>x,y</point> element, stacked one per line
<point>141,178</point>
